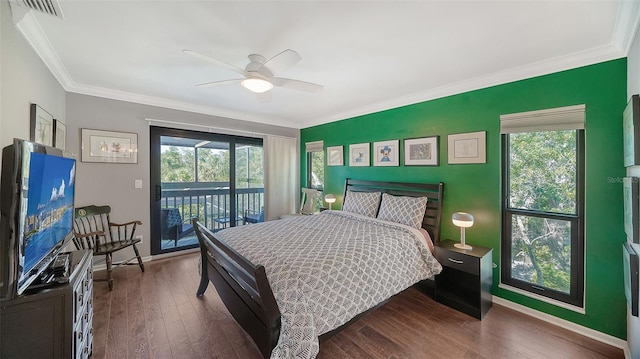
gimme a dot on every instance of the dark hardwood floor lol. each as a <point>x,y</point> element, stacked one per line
<point>156,314</point>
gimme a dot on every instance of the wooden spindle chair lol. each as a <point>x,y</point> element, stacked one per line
<point>94,230</point>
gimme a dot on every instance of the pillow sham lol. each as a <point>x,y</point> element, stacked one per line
<point>364,203</point>
<point>403,210</point>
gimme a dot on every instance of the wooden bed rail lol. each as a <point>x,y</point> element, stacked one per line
<point>241,285</point>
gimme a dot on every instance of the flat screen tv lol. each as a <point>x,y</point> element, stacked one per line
<point>36,206</point>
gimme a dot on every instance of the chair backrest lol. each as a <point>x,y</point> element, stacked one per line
<point>92,219</point>
<point>170,217</point>
<point>308,200</point>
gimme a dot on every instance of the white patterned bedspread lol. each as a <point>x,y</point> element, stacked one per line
<point>325,269</point>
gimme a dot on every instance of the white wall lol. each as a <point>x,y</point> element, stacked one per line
<point>24,79</point>
<point>633,67</point>
<point>113,184</point>
<point>633,87</point>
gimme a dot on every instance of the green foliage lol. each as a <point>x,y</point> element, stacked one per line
<point>542,172</point>
<point>542,177</point>
<point>213,165</point>
<point>249,167</point>
<point>177,164</point>
<point>317,170</point>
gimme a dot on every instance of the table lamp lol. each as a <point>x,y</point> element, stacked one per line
<point>462,220</point>
<point>330,199</point>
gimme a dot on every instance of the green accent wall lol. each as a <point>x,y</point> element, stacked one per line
<point>476,188</point>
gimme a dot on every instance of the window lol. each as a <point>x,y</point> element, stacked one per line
<point>315,168</point>
<point>543,208</point>
<point>249,168</point>
<point>315,165</point>
<point>214,177</point>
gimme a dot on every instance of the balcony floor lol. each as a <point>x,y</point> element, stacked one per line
<point>182,242</point>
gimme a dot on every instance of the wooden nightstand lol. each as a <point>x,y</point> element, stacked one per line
<point>466,278</point>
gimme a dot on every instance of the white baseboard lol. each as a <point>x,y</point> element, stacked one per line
<point>102,266</point>
<point>576,328</point>
<point>173,254</point>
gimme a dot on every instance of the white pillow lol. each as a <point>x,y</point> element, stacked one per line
<point>403,210</point>
<point>364,203</point>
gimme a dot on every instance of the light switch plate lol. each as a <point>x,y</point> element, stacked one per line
<point>138,184</point>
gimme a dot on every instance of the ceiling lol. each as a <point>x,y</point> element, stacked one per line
<point>368,55</point>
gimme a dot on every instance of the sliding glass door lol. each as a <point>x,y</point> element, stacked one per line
<point>215,178</point>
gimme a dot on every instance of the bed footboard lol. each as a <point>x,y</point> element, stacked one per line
<point>243,288</point>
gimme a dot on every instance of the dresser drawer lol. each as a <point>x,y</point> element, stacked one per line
<point>458,261</point>
<point>78,337</point>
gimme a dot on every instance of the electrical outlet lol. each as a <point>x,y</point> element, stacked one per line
<point>139,236</point>
<point>138,183</point>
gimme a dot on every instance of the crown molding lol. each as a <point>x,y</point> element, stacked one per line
<point>627,23</point>
<point>540,68</point>
<point>34,34</point>
<point>176,105</point>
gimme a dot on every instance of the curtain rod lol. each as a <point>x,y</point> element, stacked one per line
<point>214,129</point>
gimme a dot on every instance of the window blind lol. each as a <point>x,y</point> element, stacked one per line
<point>315,146</point>
<point>554,119</point>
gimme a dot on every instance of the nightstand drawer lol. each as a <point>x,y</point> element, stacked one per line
<point>458,261</point>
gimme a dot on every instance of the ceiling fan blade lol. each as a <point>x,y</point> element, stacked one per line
<point>215,62</point>
<point>296,84</point>
<point>283,61</point>
<point>220,83</point>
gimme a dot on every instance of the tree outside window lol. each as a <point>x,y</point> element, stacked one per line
<point>542,244</point>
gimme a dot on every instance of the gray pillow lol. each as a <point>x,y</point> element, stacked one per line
<point>403,210</point>
<point>364,203</point>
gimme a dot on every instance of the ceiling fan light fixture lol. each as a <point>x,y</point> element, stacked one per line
<point>256,84</point>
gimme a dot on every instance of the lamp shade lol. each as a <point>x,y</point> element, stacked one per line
<point>330,198</point>
<point>256,84</point>
<point>462,219</point>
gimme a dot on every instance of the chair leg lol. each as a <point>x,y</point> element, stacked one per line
<point>135,249</point>
<point>109,270</point>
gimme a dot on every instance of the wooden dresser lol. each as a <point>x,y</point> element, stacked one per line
<point>52,322</point>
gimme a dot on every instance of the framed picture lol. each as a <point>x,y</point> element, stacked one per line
<point>109,146</point>
<point>335,156</point>
<point>631,208</point>
<point>359,155</point>
<point>41,126</point>
<point>59,135</point>
<point>386,153</point>
<point>468,147</point>
<point>421,151</point>
<point>631,130</point>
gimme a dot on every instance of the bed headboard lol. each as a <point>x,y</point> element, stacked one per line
<point>434,191</point>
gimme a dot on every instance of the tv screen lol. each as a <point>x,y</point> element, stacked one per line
<point>36,207</point>
<point>49,206</point>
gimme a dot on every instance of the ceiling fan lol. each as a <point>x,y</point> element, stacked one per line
<point>259,73</point>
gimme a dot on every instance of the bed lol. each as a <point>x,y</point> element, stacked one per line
<point>293,282</point>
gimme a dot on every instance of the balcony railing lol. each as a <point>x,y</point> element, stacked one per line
<point>212,204</point>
